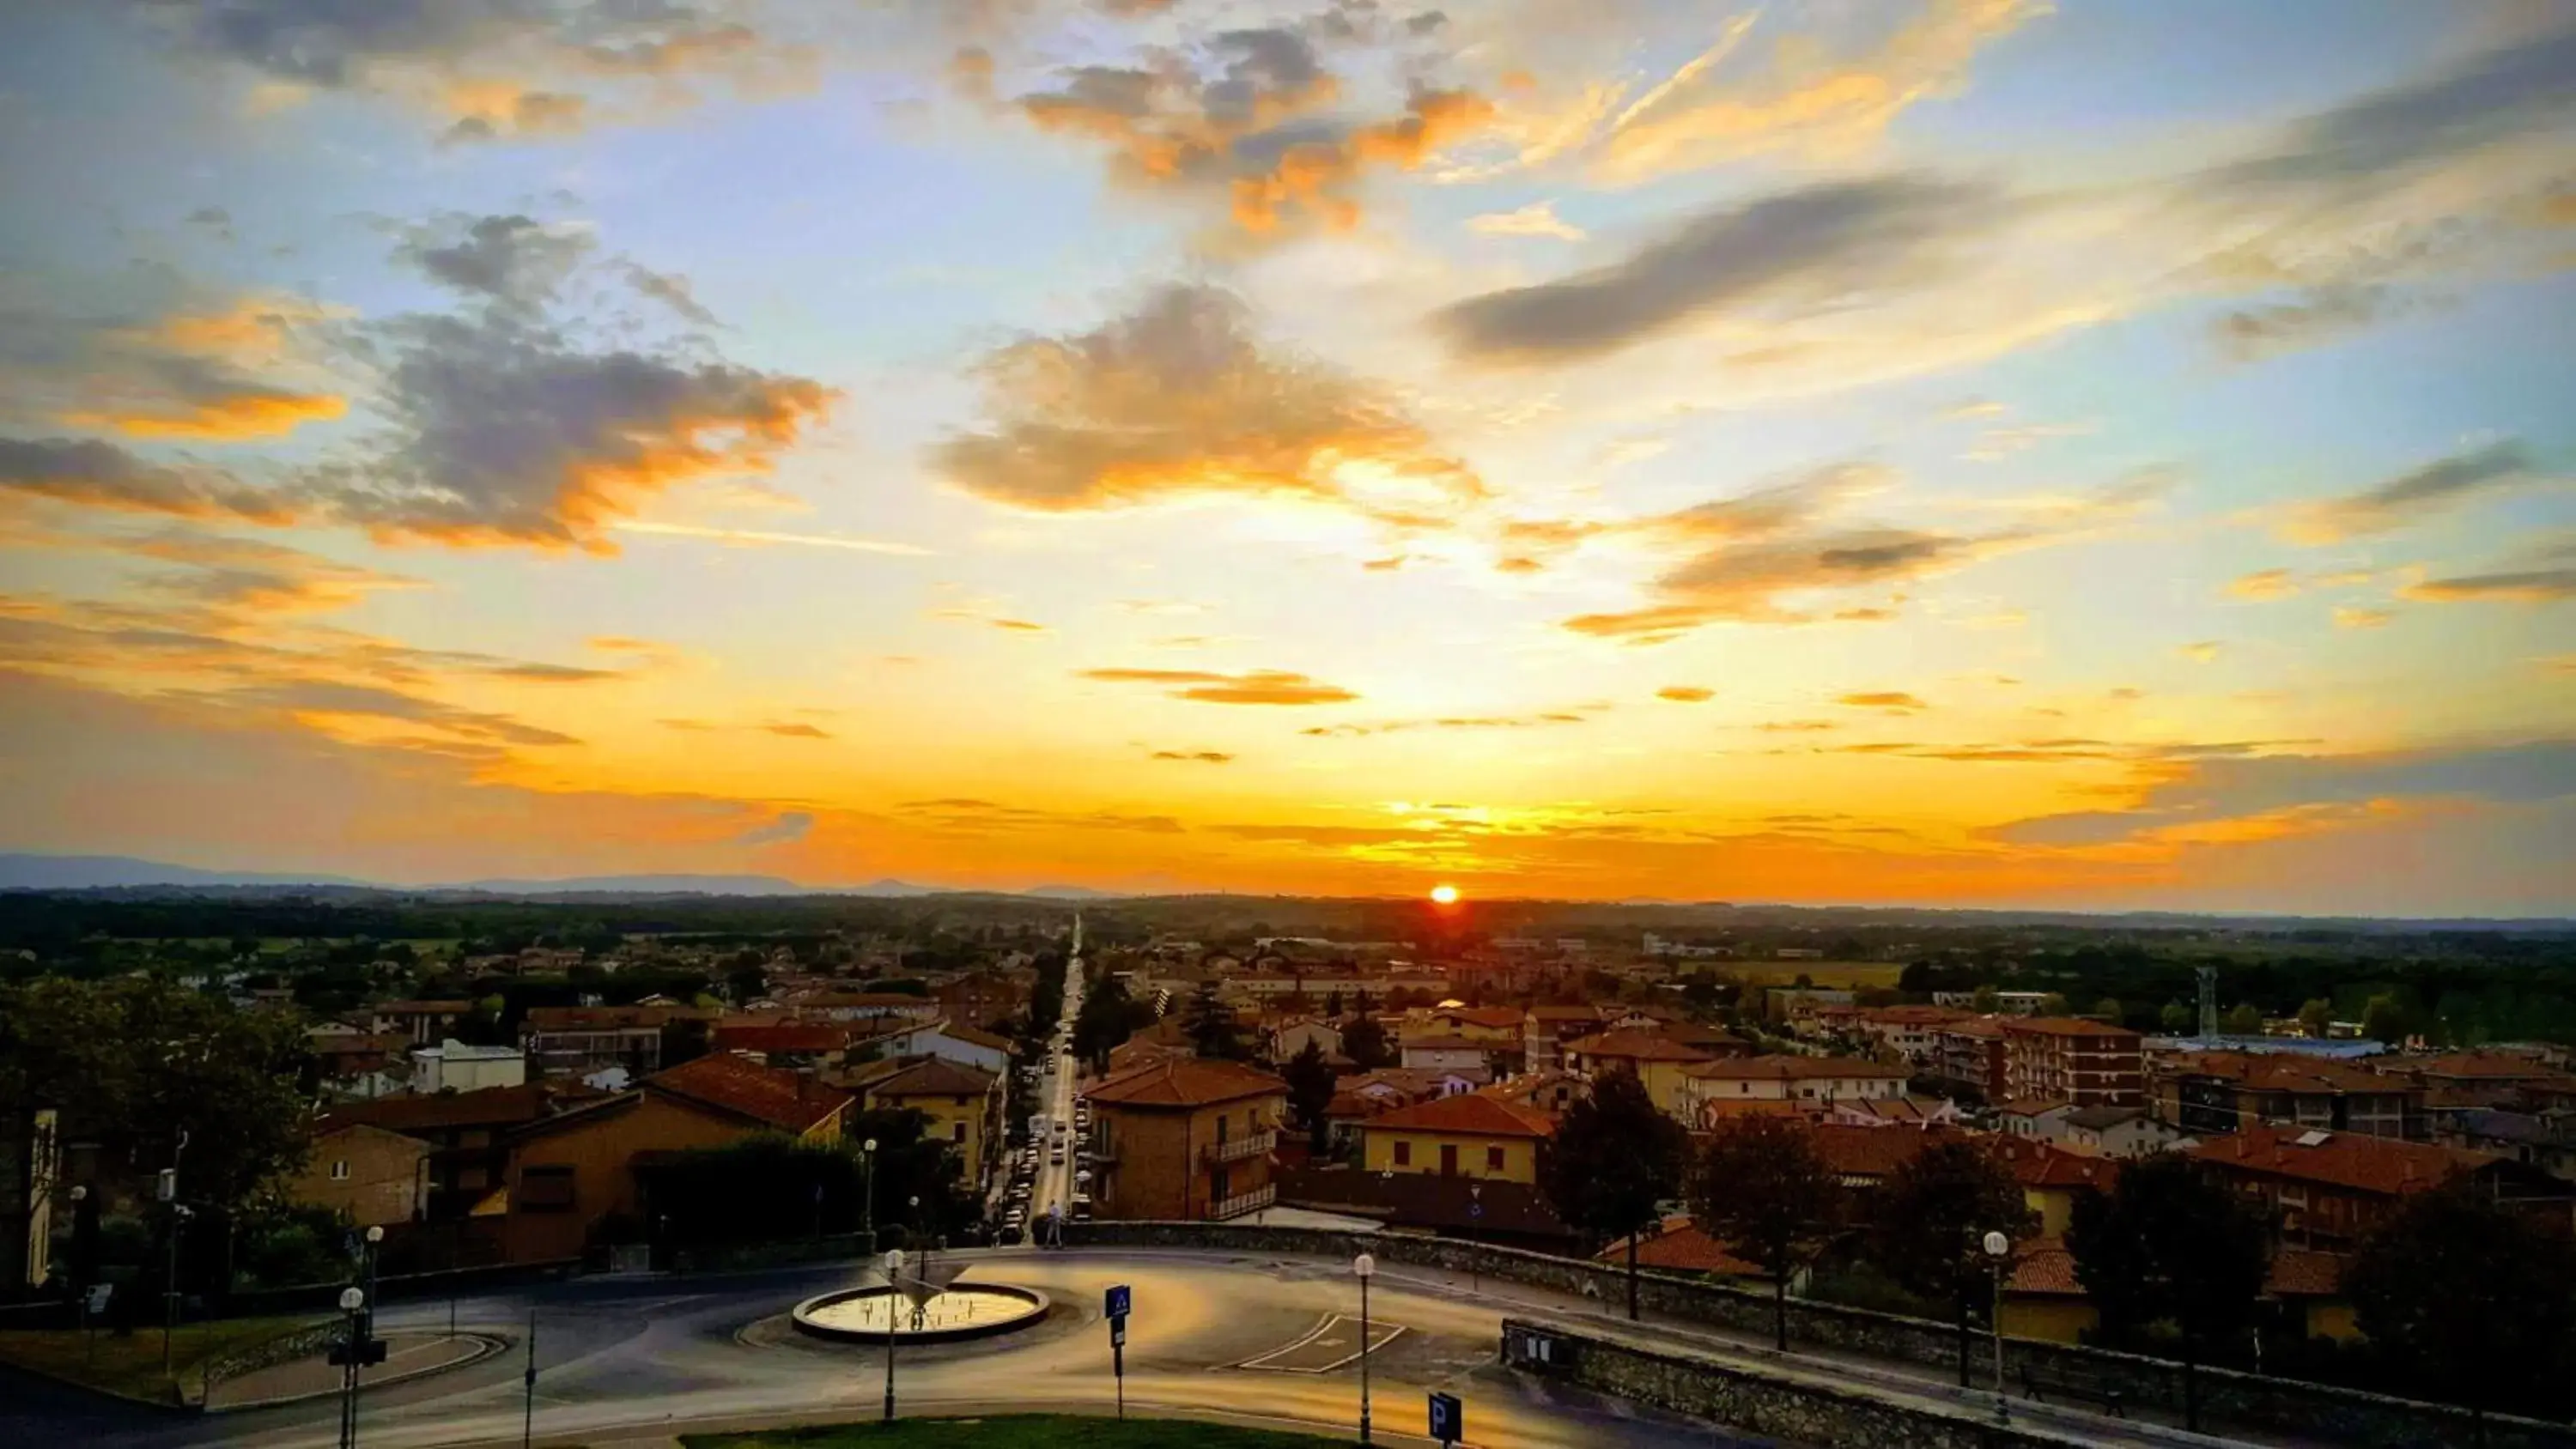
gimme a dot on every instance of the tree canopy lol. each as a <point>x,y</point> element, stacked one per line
<point>2474,1301</point>
<point>1761,1189</point>
<point>1613,1162</point>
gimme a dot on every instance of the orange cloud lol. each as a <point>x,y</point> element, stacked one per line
<point>2265,584</point>
<point>1313,177</point>
<point>2530,586</point>
<point>232,419</point>
<point>1259,686</point>
<point>1179,399</point>
<point>1894,701</point>
<point>1684,693</point>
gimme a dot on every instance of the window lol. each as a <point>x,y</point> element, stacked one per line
<point>1493,1159</point>
<point>340,1170</point>
<point>545,1190</point>
<point>1403,1153</point>
<point>956,1131</point>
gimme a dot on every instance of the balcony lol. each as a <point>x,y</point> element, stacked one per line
<point>1257,1145</point>
<point>1243,1202</point>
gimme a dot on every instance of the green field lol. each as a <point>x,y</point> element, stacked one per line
<point>1832,975</point>
<point>1016,1431</point>
<point>131,1366</point>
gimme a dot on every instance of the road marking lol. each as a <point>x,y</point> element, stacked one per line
<point>1338,1332</point>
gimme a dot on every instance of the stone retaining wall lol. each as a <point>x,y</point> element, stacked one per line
<point>2308,1410</point>
<point>1741,1398</point>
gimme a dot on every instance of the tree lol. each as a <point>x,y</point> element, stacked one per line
<point>2108,1008</point>
<point>2476,1298</point>
<point>1213,1030</point>
<point>2053,1004</point>
<point>2170,1243</point>
<point>2382,1019</point>
<point>2243,1019</point>
<point>2175,1017</point>
<point>1984,1000</point>
<point>1614,1160</point>
<point>1929,1225</point>
<point>140,1064</point>
<point>2315,1015</point>
<point>1762,1190</point>
<point>1107,1018</point>
<point>1310,1092</point>
<point>1365,1043</point>
<point>1333,1004</point>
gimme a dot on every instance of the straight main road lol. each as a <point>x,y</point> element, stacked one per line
<point>1055,1098</point>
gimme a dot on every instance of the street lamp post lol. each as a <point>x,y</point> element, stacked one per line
<point>1365,1268</point>
<point>1998,1248</point>
<point>353,1303</point>
<point>868,1189</point>
<point>375,1244</point>
<point>179,1216</point>
<point>893,1268</point>
<point>81,1266</point>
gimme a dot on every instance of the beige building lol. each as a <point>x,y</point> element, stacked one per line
<point>1185,1139</point>
<point>377,1177</point>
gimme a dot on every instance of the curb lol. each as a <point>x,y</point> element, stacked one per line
<point>487,1345</point>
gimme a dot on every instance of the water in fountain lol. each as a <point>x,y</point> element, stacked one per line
<point>943,1311</point>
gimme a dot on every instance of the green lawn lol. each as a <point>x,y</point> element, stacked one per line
<point>1016,1431</point>
<point>132,1366</point>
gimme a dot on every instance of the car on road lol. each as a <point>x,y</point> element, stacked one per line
<point>1057,1156</point>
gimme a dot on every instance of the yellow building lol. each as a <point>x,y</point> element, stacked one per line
<point>1658,1062</point>
<point>964,1106</point>
<point>1469,1135</point>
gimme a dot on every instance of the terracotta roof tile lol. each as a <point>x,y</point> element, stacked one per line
<point>1184,1082</point>
<point>1644,1046</point>
<point>1792,1069</point>
<point>933,1077</point>
<point>488,1107</point>
<point>1677,1245</point>
<point>1469,1114</point>
<point>2380,1165</point>
<point>735,1083</point>
<point>2064,1026</point>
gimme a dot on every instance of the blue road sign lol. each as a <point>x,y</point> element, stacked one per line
<point>1475,1210</point>
<point>1116,1300</point>
<point>1448,1418</point>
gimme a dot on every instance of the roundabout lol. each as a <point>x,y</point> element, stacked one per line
<point>945,1315</point>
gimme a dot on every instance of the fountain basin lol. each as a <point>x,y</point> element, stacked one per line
<point>955,1314</point>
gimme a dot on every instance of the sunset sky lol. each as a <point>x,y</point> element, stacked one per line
<point>1955,453</point>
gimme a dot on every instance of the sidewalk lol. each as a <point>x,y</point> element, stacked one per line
<point>409,1353</point>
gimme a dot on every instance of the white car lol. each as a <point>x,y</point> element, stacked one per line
<point>1057,1156</point>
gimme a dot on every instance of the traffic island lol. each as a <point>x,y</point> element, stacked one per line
<point>409,1354</point>
<point>128,1366</point>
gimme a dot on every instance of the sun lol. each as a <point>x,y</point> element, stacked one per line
<point>1444,895</point>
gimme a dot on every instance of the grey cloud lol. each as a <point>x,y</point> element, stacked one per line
<point>102,475</point>
<point>513,261</point>
<point>672,291</point>
<point>2485,98</point>
<point>2322,314</point>
<point>2413,495</point>
<point>1821,246</point>
<point>317,696</point>
<point>2234,788</point>
<point>2532,586</point>
<point>790,827</point>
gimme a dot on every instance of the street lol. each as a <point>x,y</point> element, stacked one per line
<point>1211,1334</point>
<point>622,1357</point>
<point>1055,1098</point>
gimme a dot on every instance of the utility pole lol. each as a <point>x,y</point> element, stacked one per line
<point>528,1424</point>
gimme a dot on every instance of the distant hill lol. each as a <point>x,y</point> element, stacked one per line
<point>1070,893</point>
<point>638,885</point>
<point>20,872</point>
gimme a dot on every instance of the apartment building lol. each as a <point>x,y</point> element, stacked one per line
<point>963,1106</point>
<point>1818,1082</point>
<point>1477,1134</point>
<point>2068,1059</point>
<point>1185,1139</point>
<point>2327,1190</point>
<point>576,1041</point>
<point>1969,1053</point>
<point>2205,1093</point>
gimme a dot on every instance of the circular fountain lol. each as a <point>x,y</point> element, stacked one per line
<point>915,1312</point>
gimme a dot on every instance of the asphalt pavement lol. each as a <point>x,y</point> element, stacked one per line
<point>650,1356</point>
